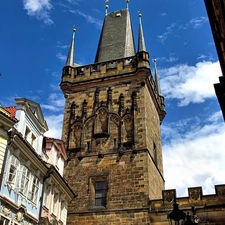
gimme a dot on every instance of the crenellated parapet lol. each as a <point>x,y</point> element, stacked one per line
<point>105,69</point>
<point>204,209</point>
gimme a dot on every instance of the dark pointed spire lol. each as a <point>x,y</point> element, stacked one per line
<point>141,40</point>
<point>157,83</point>
<point>116,40</point>
<point>70,57</point>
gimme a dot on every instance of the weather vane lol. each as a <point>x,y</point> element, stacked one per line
<point>106,7</point>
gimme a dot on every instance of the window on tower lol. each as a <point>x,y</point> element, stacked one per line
<point>100,193</point>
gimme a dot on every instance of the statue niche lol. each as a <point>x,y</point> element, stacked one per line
<point>101,123</point>
<point>75,136</point>
<point>128,130</point>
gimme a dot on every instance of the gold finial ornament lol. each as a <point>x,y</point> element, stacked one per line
<point>127,1</point>
<point>106,7</point>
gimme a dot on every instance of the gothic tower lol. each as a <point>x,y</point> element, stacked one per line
<point>111,129</point>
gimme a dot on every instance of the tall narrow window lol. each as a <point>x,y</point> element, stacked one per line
<point>33,141</point>
<point>24,179</point>
<point>33,191</point>
<point>100,193</point>
<point>114,144</point>
<point>63,212</point>
<point>47,195</point>
<point>55,204</point>
<point>88,146</point>
<point>27,134</point>
<point>13,170</point>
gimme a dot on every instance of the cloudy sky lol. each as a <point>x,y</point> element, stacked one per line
<point>35,37</point>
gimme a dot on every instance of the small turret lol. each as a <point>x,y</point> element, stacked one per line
<point>70,57</point>
<point>141,40</point>
<point>157,83</point>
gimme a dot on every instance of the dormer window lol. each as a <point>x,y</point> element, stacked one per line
<point>27,134</point>
<point>33,141</point>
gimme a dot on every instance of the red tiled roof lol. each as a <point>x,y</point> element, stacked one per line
<point>11,110</point>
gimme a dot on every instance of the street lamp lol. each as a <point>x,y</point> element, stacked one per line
<point>178,217</point>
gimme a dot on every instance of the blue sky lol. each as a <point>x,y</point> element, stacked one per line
<point>35,38</point>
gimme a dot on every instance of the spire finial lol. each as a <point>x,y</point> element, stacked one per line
<point>140,15</point>
<point>106,7</point>
<point>127,1</point>
<point>74,30</point>
<point>155,60</point>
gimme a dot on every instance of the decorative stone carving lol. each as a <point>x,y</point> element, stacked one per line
<point>19,216</point>
<point>195,194</point>
<point>128,124</point>
<point>169,195</point>
<point>220,190</point>
<point>6,211</point>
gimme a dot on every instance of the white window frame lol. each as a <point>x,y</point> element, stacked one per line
<point>4,220</point>
<point>55,203</point>
<point>33,189</point>
<point>63,213</point>
<point>24,180</point>
<point>27,134</point>
<point>33,141</point>
<point>47,192</point>
<point>12,177</point>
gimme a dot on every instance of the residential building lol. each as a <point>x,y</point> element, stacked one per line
<point>6,123</point>
<point>25,174</point>
<point>57,193</point>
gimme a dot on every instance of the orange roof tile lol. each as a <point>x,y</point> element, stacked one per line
<point>11,110</point>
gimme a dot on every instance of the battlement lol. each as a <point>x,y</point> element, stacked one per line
<point>105,69</point>
<point>195,198</point>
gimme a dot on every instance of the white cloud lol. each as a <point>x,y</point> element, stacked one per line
<point>196,157</point>
<point>55,125</point>
<point>163,14</point>
<point>63,46</point>
<point>190,84</point>
<point>40,9</point>
<point>170,59</point>
<point>198,21</point>
<point>61,57</point>
<point>169,30</point>
<point>89,19</point>
<point>74,2</point>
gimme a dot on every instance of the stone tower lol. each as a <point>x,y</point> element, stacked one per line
<point>111,129</point>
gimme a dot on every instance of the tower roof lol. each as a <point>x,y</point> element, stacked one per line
<point>141,40</point>
<point>116,40</point>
